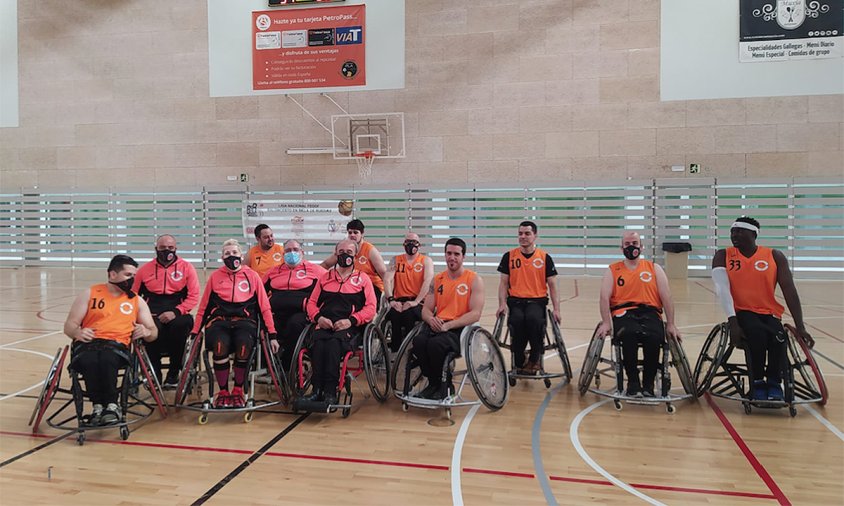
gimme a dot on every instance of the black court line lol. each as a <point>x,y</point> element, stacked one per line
<point>246,463</point>
<point>833,362</point>
<point>37,448</point>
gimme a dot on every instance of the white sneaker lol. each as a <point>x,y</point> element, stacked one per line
<point>111,414</point>
<point>96,414</point>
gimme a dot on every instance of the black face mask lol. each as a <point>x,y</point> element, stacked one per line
<point>165,256</point>
<point>632,252</point>
<point>345,260</point>
<point>411,248</point>
<point>233,263</point>
<point>126,286</point>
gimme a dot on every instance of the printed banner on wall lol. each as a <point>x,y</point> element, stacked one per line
<point>309,48</point>
<point>303,220</point>
<point>772,30</point>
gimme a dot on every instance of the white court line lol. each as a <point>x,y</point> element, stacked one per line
<point>27,389</point>
<point>554,354</point>
<point>575,441</point>
<point>456,488</point>
<point>7,345</point>
<point>826,423</point>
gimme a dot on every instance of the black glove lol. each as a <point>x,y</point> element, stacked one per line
<point>273,336</point>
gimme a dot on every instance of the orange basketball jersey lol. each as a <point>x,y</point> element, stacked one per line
<point>634,288</point>
<point>111,317</point>
<point>409,276</point>
<point>528,275</point>
<point>753,280</point>
<point>364,265</point>
<point>262,261</point>
<point>452,295</point>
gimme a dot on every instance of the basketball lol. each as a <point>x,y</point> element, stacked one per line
<point>345,207</point>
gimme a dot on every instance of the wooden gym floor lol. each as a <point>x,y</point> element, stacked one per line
<point>545,446</point>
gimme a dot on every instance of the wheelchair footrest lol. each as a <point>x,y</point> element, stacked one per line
<point>317,406</point>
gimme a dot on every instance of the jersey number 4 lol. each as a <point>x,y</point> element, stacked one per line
<point>440,289</point>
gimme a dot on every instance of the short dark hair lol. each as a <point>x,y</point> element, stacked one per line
<point>260,228</point>
<point>530,224</point>
<point>748,220</point>
<point>119,261</point>
<point>355,225</point>
<point>456,241</point>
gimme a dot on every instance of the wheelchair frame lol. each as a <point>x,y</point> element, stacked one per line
<point>553,341</point>
<point>715,373</point>
<point>407,379</point>
<point>133,408</point>
<point>672,354</point>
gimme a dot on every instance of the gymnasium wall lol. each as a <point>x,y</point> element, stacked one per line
<point>115,94</point>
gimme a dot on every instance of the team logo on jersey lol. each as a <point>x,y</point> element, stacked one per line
<point>362,260</point>
<point>646,276</point>
<point>301,274</point>
<point>462,289</point>
<point>538,263</point>
<point>243,286</point>
<point>418,267</point>
<point>126,307</point>
<point>177,275</point>
<point>760,265</point>
<point>277,257</point>
<point>355,280</point>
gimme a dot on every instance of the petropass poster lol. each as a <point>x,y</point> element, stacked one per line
<point>772,30</point>
<point>309,48</point>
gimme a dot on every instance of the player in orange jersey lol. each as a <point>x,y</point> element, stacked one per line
<point>406,284</point>
<point>745,277</point>
<point>368,259</point>
<point>455,299</point>
<point>634,293</point>
<point>266,254</point>
<point>102,322</point>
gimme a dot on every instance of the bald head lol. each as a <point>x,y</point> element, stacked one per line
<point>631,238</point>
<point>346,246</point>
<point>165,241</point>
<point>410,236</point>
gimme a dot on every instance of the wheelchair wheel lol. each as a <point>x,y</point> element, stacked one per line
<point>710,358</point>
<point>48,391</point>
<point>402,380</point>
<point>498,332</point>
<point>801,356</point>
<point>487,370</point>
<point>590,362</point>
<point>151,380</point>
<point>376,362</point>
<point>275,370</point>
<point>301,369</point>
<point>560,346</point>
<point>190,369</point>
<point>681,365</point>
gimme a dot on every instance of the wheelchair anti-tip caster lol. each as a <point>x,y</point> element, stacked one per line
<point>617,405</point>
<point>124,433</point>
<point>203,419</point>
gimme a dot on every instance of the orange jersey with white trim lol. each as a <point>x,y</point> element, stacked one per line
<point>365,265</point>
<point>452,295</point>
<point>408,276</point>
<point>753,280</point>
<point>634,287</point>
<point>262,261</point>
<point>528,274</point>
<point>111,317</point>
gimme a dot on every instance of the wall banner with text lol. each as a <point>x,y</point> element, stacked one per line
<point>772,30</point>
<point>303,220</point>
<point>309,48</point>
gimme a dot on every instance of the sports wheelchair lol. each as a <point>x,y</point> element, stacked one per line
<point>485,370</point>
<point>370,358</point>
<point>715,372</point>
<point>672,356</point>
<point>262,361</point>
<point>553,341</point>
<point>134,407</point>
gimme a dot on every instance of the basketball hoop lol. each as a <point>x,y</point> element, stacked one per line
<point>364,161</point>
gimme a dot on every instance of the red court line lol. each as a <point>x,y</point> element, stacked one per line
<point>414,465</point>
<point>751,458</point>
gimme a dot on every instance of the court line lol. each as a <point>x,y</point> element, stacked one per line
<point>826,423</point>
<point>833,362</point>
<point>456,453</point>
<point>413,465</point>
<point>748,454</point>
<point>27,389</point>
<point>248,462</point>
<point>7,345</point>
<point>37,448</point>
<point>535,435</point>
<point>575,441</point>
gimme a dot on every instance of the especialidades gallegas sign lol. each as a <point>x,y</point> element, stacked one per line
<point>771,30</point>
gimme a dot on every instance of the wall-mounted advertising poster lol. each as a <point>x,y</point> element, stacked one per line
<point>772,30</point>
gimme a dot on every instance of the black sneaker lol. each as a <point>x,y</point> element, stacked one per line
<point>648,393</point>
<point>172,381</point>
<point>331,399</point>
<point>430,392</point>
<point>316,396</point>
<point>111,414</point>
<point>634,390</point>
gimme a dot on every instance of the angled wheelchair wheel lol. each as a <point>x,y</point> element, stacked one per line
<point>560,345</point>
<point>407,377</point>
<point>487,370</point>
<point>150,379</point>
<point>681,365</point>
<point>710,358</point>
<point>376,362</point>
<point>590,362</point>
<point>190,369</point>
<point>301,369</point>
<point>48,391</point>
<point>274,370</point>
<point>801,356</point>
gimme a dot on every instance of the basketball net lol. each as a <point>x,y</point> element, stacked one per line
<point>364,161</point>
